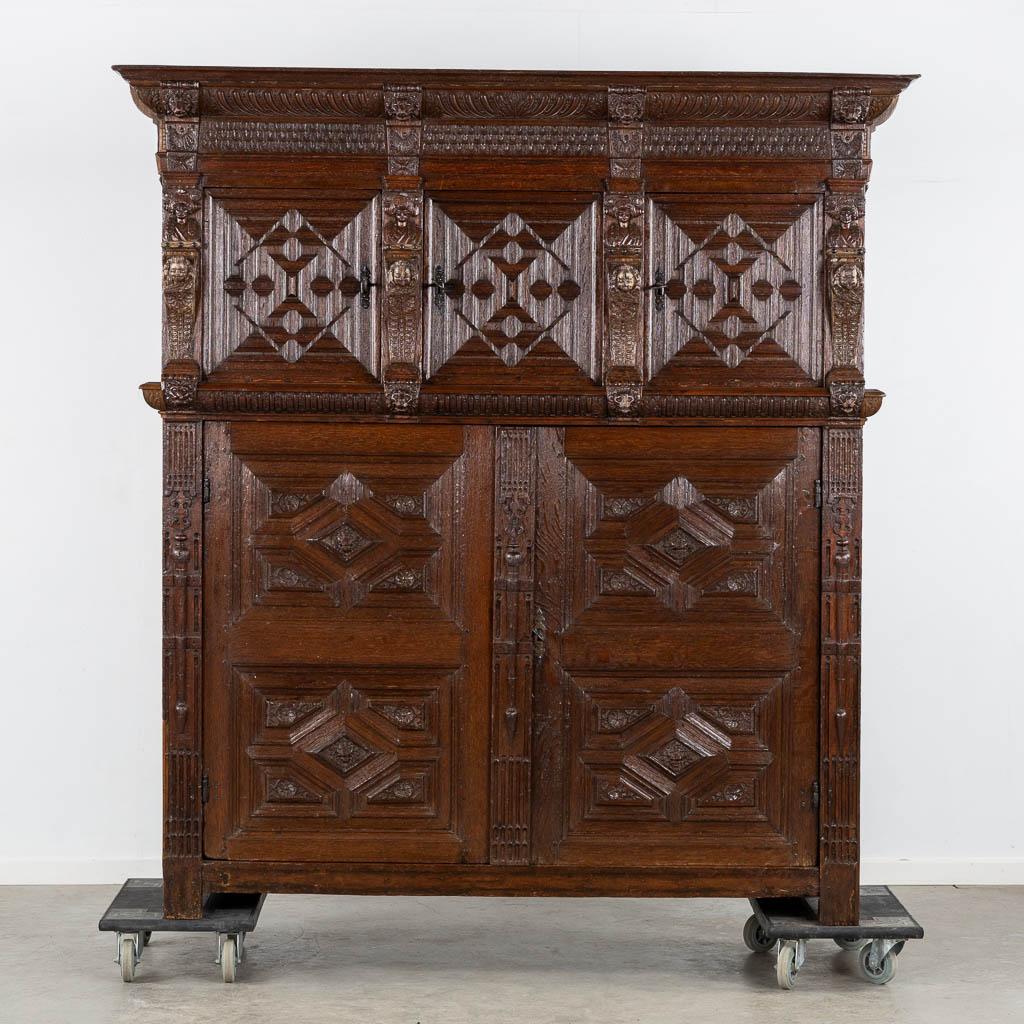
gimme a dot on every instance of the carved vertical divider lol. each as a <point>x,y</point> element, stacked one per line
<point>844,247</point>
<point>840,675</point>
<point>516,632</point>
<point>841,511</point>
<point>623,252</point>
<point>182,669</point>
<point>177,105</point>
<point>176,108</point>
<point>402,240</point>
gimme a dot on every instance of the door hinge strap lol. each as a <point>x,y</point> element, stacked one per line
<point>204,788</point>
<point>817,494</point>
<point>815,794</point>
<point>206,490</point>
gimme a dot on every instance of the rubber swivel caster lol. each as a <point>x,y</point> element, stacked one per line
<point>230,953</point>
<point>791,956</point>
<point>851,945</point>
<point>129,952</point>
<point>754,937</point>
<point>876,963</point>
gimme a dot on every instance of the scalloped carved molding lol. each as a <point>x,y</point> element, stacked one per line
<point>257,101</point>
<point>737,106</point>
<point>516,104</point>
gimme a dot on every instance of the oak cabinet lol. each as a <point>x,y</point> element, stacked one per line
<point>512,454</point>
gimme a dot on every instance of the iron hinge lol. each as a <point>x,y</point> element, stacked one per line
<point>817,494</point>
<point>815,794</point>
<point>206,490</point>
<point>204,788</point>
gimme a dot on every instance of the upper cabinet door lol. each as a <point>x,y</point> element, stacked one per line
<point>289,287</point>
<point>514,297</point>
<point>735,297</point>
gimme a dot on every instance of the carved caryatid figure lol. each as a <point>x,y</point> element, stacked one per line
<point>182,238</point>
<point>402,229</point>
<point>845,234</point>
<point>181,223</point>
<point>844,243</point>
<point>623,225</point>
<point>180,286</point>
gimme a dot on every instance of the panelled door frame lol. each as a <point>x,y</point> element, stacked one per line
<point>368,686</point>
<point>713,723</point>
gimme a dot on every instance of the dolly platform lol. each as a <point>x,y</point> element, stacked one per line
<point>788,922</point>
<point>137,912</point>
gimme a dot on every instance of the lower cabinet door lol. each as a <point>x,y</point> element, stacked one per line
<point>347,669</point>
<point>675,711</point>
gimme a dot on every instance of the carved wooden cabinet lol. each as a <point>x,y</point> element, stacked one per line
<point>512,480</point>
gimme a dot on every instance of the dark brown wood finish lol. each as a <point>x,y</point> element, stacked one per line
<point>512,480</point>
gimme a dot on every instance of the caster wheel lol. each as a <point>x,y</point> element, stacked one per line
<point>755,938</point>
<point>229,959</point>
<point>851,944</point>
<point>146,936</point>
<point>879,972</point>
<point>127,959</point>
<point>785,967</point>
<point>898,948</point>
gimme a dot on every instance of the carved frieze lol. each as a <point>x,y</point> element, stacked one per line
<point>514,140</point>
<point>703,142</point>
<point>218,135</point>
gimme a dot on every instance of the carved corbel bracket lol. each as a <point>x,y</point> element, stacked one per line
<point>844,256</point>
<point>845,392</point>
<point>403,110</point>
<point>179,384</point>
<point>402,388</point>
<point>625,134</point>
<point>850,133</point>
<point>175,108</point>
<point>624,390</point>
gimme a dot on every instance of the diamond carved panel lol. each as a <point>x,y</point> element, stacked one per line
<point>665,750</point>
<point>514,280</point>
<point>348,745</point>
<point>675,547</point>
<point>736,286</point>
<point>286,283</point>
<point>358,541</point>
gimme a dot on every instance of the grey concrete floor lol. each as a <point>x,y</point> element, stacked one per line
<point>378,960</point>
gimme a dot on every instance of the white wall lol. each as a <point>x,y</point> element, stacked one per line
<point>943,785</point>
